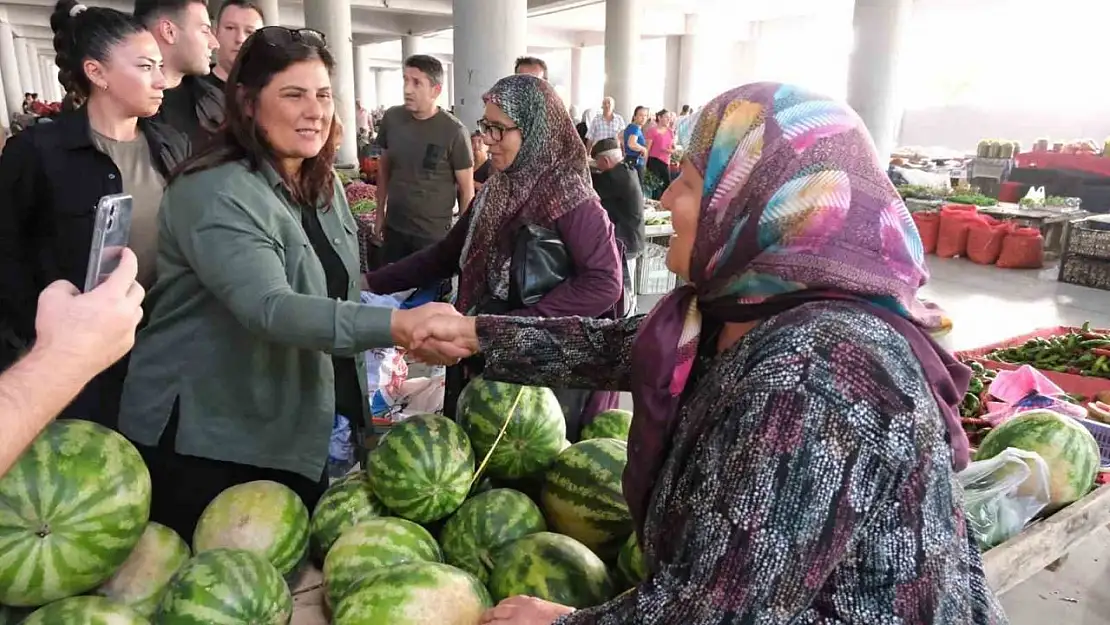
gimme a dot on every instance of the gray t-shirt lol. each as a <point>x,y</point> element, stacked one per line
<point>144,184</point>
<point>423,156</point>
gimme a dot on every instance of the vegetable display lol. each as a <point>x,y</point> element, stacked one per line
<point>1084,352</point>
<point>974,403</point>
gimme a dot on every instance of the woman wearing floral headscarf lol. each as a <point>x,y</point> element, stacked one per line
<point>542,178</point>
<point>796,434</point>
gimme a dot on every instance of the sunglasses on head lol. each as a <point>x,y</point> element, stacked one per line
<point>282,36</point>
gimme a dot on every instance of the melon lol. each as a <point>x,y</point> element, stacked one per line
<point>630,563</point>
<point>582,495</point>
<point>1068,448</point>
<point>72,508</point>
<point>144,577</point>
<point>86,611</point>
<point>533,435</point>
<point>226,587</point>
<point>422,468</point>
<point>609,424</point>
<point>265,517</point>
<point>483,524</point>
<point>344,505</point>
<point>416,593</point>
<point>367,548</point>
<point>551,567</point>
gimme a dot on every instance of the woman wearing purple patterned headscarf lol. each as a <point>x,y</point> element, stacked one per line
<point>795,438</point>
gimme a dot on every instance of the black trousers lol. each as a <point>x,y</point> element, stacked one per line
<point>662,170</point>
<point>185,485</point>
<point>399,245</point>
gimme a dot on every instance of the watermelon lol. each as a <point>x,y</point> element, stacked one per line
<point>1068,448</point>
<point>367,548</point>
<point>344,505</point>
<point>609,424</point>
<point>533,436</point>
<point>226,587</point>
<point>86,611</point>
<point>71,510</point>
<point>582,495</point>
<point>416,593</point>
<point>264,517</point>
<point>143,578</point>
<point>485,523</point>
<point>630,563</point>
<point>552,567</point>
<point>422,469</point>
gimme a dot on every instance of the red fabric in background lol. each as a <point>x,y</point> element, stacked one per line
<point>928,227</point>
<point>955,219</point>
<point>985,236</point>
<point>1022,249</point>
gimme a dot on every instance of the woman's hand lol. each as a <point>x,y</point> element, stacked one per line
<point>445,337</point>
<point>522,610</point>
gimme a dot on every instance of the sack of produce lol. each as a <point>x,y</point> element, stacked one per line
<point>985,236</point>
<point>955,219</point>
<point>1023,248</point>
<point>928,226</point>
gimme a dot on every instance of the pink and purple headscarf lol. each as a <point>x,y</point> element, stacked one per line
<point>796,207</point>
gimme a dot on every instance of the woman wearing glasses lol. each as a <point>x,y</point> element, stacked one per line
<point>540,178</point>
<point>256,334</point>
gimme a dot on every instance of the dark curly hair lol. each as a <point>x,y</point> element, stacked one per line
<point>82,33</point>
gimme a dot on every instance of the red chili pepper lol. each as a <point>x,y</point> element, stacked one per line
<point>974,421</point>
<point>1100,351</point>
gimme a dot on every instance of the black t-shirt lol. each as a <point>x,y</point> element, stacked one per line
<point>195,108</point>
<point>623,199</point>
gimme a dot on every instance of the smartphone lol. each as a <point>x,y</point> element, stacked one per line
<point>110,235</point>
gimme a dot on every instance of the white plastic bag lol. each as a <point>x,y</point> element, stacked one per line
<point>1004,493</point>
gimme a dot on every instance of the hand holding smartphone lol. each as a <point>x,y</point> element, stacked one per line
<point>110,235</point>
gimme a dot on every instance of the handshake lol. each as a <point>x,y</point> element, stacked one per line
<point>435,333</point>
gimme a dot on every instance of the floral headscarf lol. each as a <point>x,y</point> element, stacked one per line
<point>548,178</point>
<point>796,207</point>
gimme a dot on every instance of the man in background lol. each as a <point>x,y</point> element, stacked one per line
<point>425,166</point>
<point>531,65</point>
<point>622,197</point>
<point>235,23</point>
<point>183,31</point>
<point>608,125</point>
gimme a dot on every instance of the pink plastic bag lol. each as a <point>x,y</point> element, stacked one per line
<point>1026,389</point>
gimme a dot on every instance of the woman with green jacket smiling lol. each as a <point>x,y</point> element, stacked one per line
<point>256,334</point>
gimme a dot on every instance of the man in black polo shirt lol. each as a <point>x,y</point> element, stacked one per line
<point>183,31</point>
<point>618,186</point>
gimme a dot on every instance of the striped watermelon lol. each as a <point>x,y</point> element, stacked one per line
<point>483,524</point>
<point>582,495</point>
<point>143,578</point>
<point>630,563</point>
<point>416,593</point>
<point>1068,448</point>
<point>226,587</point>
<point>86,611</point>
<point>369,547</point>
<point>552,567</point>
<point>71,510</point>
<point>533,436</point>
<point>344,505</point>
<point>265,517</point>
<point>609,424</point>
<point>422,469</point>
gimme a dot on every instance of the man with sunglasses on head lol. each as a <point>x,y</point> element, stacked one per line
<point>425,167</point>
<point>183,30</point>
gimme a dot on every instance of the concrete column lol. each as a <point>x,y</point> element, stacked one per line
<point>50,79</point>
<point>873,82</point>
<point>381,92</point>
<point>24,61</point>
<point>622,42</point>
<point>5,114</point>
<point>687,63</point>
<point>449,88</point>
<point>576,77</point>
<point>672,72</point>
<point>334,19</point>
<point>9,68</point>
<point>489,36</point>
<point>364,85</point>
<point>271,12</point>
<point>36,69</point>
<point>410,45</point>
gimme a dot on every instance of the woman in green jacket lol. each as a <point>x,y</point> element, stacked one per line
<point>256,334</point>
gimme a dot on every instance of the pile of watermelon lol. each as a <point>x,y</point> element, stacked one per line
<point>437,529</point>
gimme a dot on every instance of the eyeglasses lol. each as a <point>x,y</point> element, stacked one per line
<point>493,130</point>
<point>282,36</point>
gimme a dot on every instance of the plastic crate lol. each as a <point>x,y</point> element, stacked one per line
<point>1101,432</point>
<point>1084,271</point>
<point>652,275</point>
<point>1089,237</point>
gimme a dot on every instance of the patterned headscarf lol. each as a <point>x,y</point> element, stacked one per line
<point>548,178</point>
<point>796,207</point>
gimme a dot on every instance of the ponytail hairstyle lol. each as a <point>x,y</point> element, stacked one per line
<point>82,33</point>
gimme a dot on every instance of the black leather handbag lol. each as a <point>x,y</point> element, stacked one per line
<point>540,263</point>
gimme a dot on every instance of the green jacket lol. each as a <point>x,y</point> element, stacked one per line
<point>241,326</point>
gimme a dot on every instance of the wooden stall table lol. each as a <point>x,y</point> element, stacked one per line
<point>1053,223</point>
